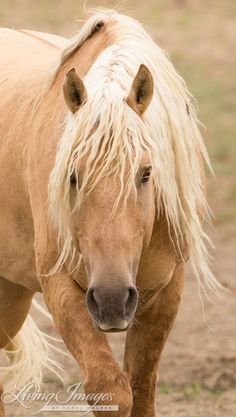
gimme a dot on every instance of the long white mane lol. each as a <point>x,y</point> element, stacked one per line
<point>107,130</point>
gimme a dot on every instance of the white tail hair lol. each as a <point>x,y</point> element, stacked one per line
<point>29,354</point>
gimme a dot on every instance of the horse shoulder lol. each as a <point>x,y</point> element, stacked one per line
<point>159,260</point>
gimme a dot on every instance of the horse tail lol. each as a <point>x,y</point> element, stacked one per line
<point>29,354</point>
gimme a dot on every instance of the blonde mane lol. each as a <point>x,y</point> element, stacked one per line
<point>106,129</point>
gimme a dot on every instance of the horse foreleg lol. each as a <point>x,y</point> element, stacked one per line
<point>66,301</point>
<point>145,342</point>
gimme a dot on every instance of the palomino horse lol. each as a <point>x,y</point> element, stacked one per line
<point>102,200</point>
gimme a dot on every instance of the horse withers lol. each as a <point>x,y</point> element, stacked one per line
<point>102,201</point>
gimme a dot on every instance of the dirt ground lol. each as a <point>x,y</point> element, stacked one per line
<point>197,375</point>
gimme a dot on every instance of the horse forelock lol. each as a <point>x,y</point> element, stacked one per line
<point>168,133</point>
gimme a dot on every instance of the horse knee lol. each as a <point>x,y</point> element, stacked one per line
<point>118,391</point>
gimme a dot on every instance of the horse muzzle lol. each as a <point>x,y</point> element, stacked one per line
<point>112,310</point>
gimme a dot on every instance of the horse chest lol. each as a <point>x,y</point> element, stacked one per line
<point>158,261</point>
<point>155,270</point>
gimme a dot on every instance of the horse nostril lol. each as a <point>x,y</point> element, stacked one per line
<point>131,302</point>
<point>110,306</point>
<point>92,304</point>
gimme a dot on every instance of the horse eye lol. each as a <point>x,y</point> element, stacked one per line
<point>98,27</point>
<point>73,179</point>
<point>146,175</point>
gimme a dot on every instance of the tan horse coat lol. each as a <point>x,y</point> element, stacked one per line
<point>28,140</point>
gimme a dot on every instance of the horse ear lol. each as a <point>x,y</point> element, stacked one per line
<point>74,91</point>
<point>141,91</point>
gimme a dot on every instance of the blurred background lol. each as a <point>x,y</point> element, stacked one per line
<point>198,369</point>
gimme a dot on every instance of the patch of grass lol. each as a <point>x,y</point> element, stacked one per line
<point>192,390</point>
<point>50,380</point>
<point>163,389</point>
<point>189,391</point>
<point>213,392</point>
<point>76,381</point>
